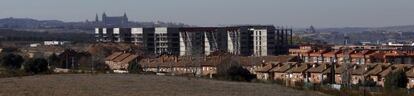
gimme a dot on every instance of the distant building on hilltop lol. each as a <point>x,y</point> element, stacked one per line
<point>311,29</point>
<point>112,21</point>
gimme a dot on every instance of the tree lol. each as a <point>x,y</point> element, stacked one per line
<point>12,61</point>
<point>135,68</point>
<point>230,69</point>
<point>396,79</point>
<point>54,60</point>
<point>368,83</point>
<point>36,66</point>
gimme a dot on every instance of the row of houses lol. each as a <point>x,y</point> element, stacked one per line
<point>181,65</point>
<point>310,54</point>
<point>318,73</point>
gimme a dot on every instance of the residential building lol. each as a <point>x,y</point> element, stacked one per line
<point>249,40</point>
<point>121,60</point>
<point>356,56</point>
<point>315,73</point>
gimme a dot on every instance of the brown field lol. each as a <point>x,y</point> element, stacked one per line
<point>136,85</point>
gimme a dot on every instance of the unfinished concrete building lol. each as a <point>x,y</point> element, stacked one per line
<point>251,40</point>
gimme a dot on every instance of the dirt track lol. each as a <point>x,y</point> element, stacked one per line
<point>136,85</point>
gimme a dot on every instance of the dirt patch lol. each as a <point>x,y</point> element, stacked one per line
<point>136,85</point>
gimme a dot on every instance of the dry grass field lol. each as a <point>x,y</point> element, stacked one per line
<point>136,85</point>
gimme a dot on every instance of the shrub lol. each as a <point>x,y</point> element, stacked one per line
<point>230,69</point>
<point>395,80</point>
<point>36,66</point>
<point>368,83</point>
<point>54,60</point>
<point>135,68</point>
<point>11,61</point>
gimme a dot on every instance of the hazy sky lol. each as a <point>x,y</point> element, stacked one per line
<point>295,13</point>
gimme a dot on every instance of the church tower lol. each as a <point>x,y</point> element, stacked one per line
<point>96,18</point>
<point>104,17</point>
<point>125,18</point>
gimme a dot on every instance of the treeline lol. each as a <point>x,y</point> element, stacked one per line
<point>13,35</point>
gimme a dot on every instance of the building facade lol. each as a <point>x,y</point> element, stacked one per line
<point>112,20</point>
<point>255,40</point>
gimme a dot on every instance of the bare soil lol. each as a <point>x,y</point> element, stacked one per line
<point>136,85</point>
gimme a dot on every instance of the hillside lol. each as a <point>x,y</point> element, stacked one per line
<point>136,85</point>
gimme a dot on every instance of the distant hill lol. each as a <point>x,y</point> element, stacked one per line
<point>61,26</point>
<point>30,23</point>
<point>401,28</point>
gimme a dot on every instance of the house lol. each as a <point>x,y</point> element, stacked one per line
<point>316,56</point>
<point>331,56</point>
<point>281,71</point>
<point>358,72</point>
<point>338,71</point>
<point>410,76</point>
<point>374,74</point>
<point>121,60</point>
<point>315,73</point>
<point>393,68</point>
<point>362,56</point>
<point>298,72</point>
<point>263,73</point>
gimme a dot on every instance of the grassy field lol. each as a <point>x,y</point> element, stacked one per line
<point>136,85</point>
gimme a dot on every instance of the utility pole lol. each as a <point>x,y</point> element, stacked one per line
<point>346,74</point>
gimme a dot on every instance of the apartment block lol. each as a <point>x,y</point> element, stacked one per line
<point>252,40</point>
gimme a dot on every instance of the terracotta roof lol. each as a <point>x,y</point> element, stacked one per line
<point>332,53</point>
<point>121,57</point>
<point>395,67</point>
<point>212,60</point>
<point>377,69</point>
<point>361,69</point>
<point>283,67</point>
<point>113,56</point>
<point>318,68</point>
<point>350,52</point>
<point>362,53</point>
<point>269,67</point>
<point>340,69</point>
<point>129,58</point>
<point>299,68</point>
<point>318,52</point>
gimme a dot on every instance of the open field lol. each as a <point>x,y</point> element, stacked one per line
<point>136,85</point>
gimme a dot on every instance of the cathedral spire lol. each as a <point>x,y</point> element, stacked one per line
<point>125,15</point>
<point>96,18</point>
<point>103,15</point>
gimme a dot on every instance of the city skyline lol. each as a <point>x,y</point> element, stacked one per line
<point>301,13</point>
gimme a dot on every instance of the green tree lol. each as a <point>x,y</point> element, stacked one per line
<point>11,61</point>
<point>135,68</point>
<point>54,60</point>
<point>36,66</point>
<point>230,69</point>
<point>396,79</point>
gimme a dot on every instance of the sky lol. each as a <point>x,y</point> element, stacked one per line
<point>294,13</point>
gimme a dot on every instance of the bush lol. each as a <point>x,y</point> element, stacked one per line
<point>368,83</point>
<point>395,80</point>
<point>11,61</point>
<point>230,69</point>
<point>101,67</point>
<point>36,66</point>
<point>135,68</point>
<point>54,60</point>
